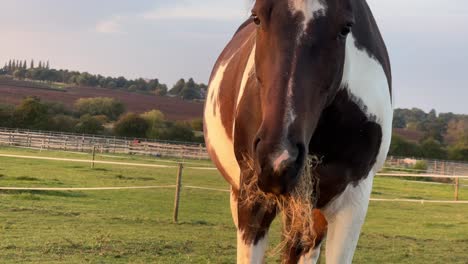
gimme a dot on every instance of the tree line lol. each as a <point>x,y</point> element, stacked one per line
<point>441,136</point>
<point>21,70</point>
<point>101,116</point>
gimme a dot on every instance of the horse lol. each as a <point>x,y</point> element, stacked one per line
<point>300,79</point>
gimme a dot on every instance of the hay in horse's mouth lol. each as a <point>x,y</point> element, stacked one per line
<point>296,207</point>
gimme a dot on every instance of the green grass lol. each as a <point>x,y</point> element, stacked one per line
<point>135,226</point>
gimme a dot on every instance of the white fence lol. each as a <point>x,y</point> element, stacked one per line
<point>102,144</point>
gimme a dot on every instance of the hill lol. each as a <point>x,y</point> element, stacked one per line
<point>173,108</point>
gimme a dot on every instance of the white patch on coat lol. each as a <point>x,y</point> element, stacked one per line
<point>366,81</point>
<point>345,216</point>
<point>247,253</point>
<point>218,140</point>
<point>234,204</point>
<point>250,253</point>
<point>248,72</point>
<point>311,9</point>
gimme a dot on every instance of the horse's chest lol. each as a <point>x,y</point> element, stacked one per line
<point>354,133</point>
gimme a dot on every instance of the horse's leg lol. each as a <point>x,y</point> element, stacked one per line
<point>298,254</point>
<point>252,224</point>
<point>345,218</point>
<point>312,256</point>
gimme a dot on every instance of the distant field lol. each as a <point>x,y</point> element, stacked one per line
<point>134,226</point>
<point>173,108</point>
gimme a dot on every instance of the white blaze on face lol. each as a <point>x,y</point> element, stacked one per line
<point>311,9</point>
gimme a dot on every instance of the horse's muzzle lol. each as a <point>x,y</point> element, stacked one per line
<point>278,168</point>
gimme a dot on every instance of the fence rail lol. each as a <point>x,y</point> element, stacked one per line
<point>179,186</point>
<point>102,144</point>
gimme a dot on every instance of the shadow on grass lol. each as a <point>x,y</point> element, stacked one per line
<point>99,169</point>
<point>45,193</point>
<point>122,177</point>
<point>26,178</point>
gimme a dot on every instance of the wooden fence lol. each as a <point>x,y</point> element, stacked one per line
<point>183,150</point>
<point>102,144</point>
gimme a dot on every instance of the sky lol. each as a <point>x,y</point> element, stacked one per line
<point>172,39</point>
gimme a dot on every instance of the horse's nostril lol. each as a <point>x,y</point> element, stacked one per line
<point>300,152</point>
<point>255,144</point>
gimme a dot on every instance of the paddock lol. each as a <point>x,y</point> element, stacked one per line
<point>121,224</point>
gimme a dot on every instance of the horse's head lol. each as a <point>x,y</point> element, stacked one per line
<point>299,60</point>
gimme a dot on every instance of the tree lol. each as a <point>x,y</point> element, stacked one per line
<point>190,90</point>
<point>189,93</point>
<point>32,64</point>
<point>459,151</point>
<point>401,147</point>
<point>47,65</point>
<point>25,65</point>
<point>20,73</point>
<point>178,87</point>
<point>161,90</point>
<point>121,82</point>
<point>131,125</point>
<point>40,65</point>
<point>156,122</point>
<point>431,148</point>
<point>457,130</point>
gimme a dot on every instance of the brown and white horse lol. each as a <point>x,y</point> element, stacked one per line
<point>299,78</point>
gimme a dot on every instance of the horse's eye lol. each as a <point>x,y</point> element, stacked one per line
<point>256,19</point>
<point>346,30</point>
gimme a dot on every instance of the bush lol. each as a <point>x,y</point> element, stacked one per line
<point>32,114</point>
<point>458,153</point>
<point>109,107</point>
<point>401,147</point>
<point>62,123</point>
<point>177,131</point>
<point>131,125</point>
<point>432,148</point>
<point>89,125</point>
<point>420,166</point>
<point>6,115</point>
<point>197,124</point>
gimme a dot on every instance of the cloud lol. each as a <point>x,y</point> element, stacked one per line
<point>110,26</point>
<point>196,10</point>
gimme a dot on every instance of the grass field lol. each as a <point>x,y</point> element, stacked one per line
<point>135,226</point>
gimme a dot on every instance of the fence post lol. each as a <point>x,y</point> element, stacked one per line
<point>177,192</point>
<point>457,187</point>
<point>94,157</point>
